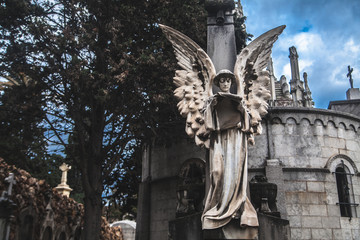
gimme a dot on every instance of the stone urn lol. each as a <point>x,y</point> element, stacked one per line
<point>263,195</point>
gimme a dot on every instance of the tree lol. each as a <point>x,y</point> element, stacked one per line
<point>104,74</point>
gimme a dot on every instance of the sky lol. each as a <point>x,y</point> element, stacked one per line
<point>326,34</point>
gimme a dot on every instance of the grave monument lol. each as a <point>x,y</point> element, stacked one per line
<point>223,98</point>
<point>63,188</point>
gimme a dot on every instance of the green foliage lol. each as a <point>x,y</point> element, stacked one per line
<point>103,72</point>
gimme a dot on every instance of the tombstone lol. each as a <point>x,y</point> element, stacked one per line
<point>128,228</point>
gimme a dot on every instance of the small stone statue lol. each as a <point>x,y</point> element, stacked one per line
<point>224,122</point>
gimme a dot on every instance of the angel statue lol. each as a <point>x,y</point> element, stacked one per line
<point>224,122</point>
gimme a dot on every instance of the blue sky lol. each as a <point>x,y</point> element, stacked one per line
<point>326,34</point>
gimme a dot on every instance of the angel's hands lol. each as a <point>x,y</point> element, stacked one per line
<point>212,101</point>
<point>242,107</point>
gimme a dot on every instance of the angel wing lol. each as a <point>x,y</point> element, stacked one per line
<point>193,83</point>
<point>254,80</point>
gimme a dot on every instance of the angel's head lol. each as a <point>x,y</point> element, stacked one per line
<point>224,79</point>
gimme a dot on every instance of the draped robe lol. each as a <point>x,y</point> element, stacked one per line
<point>229,123</point>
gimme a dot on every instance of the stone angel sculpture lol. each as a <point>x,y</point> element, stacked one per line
<point>224,122</point>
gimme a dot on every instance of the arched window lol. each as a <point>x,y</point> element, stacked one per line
<point>344,169</point>
<point>345,191</point>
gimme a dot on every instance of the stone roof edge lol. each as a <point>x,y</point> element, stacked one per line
<point>341,102</point>
<point>313,111</point>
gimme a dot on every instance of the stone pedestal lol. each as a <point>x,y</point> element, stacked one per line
<point>353,93</point>
<point>231,231</point>
<point>64,189</point>
<point>271,228</point>
<point>274,174</point>
<point>188,227</point>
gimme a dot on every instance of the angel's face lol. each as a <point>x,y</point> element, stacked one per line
<point>225,84</point>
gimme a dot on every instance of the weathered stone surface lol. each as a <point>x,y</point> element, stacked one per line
<point>346,223</point>
<point>338,234</point>
<point>330,222</point>
<point>333,142</point>
<point>311,222</point>
<point>293,209</point>
<point>321,234</point>
<point>295,221</point>
<point>273,228</point>
<point>330,187</point>
<point>301,233</point>
<point>315,186</point>
<point>356,234</point>
<point>318,210</point>
<point>188,227</point>
<point>333,210</point>
<point>346,234</point>
<point>352,145</point>
<point>292,186</point>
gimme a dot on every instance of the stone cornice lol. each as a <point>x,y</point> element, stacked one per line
<point>325,116</point>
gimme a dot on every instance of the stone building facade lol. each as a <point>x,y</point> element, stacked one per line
<point>313,155</point>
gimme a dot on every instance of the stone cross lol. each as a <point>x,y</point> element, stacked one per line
<point>64,168</point>
<point>350,77</point>
<point>11,180</point>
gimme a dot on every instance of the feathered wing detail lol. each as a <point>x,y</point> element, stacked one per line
<point>254,80</point>
<point>193,83</point>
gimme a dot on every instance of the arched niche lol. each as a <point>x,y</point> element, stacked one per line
<point>27,225</point>
<point>47,234</point>
<point>77,234</point>
<point>190,187</point>
<point>62,236</point>
<point>27,228</point>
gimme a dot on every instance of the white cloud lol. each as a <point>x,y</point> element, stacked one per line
<point>326,43</point>
<point>351,47</point>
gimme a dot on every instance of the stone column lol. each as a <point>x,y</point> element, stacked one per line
<point>296,85</point>
<point>274,174</point>
<point>270,68</point>
<point>221,46</point>
<point>144,197</point>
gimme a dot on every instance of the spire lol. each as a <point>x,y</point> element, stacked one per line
<point>270,68</point>
<point>296,84</point>
<point>307,93</point>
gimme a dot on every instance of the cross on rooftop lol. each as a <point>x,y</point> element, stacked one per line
<point>350,70</point>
